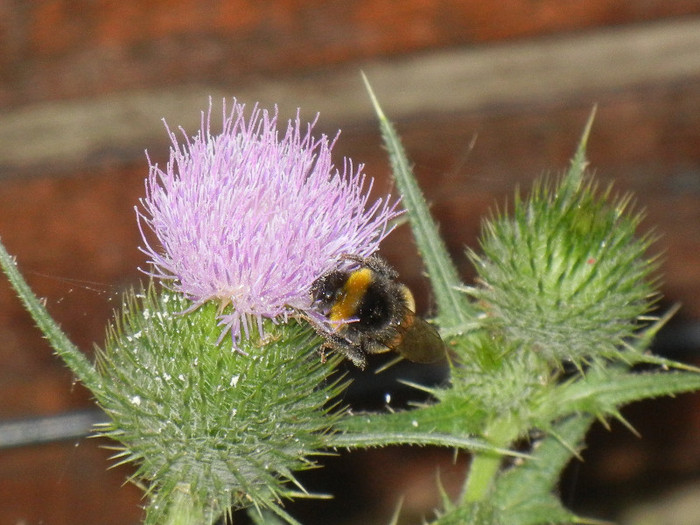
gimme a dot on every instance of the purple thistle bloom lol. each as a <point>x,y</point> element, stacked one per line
<point>251,221</point>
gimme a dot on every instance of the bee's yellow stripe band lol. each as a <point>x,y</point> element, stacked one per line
<point>354,290</point>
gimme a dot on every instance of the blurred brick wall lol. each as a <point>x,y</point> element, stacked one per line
<point>72,225</point>
<point>81,48</point>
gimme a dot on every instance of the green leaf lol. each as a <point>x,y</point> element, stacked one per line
<point>437,425</point>
<point>603,392</point>
<point>524,494</point>
<point>453,308</point>
<point>71,355</point>
<point>540,474</point>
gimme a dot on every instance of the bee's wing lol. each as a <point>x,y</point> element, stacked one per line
<point>420,341</point>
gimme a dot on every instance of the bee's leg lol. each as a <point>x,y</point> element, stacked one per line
<point>352,257</point>
<point>350,351</point>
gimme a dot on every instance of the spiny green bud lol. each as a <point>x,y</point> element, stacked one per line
<point>203,419</point>
<point>565,275</point>
<point>497,379</point>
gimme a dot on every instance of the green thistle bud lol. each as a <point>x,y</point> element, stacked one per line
<point>565,275</point>
<point>495,385</point>
<point>201,419</point>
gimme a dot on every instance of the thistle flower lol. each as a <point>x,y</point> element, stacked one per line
<point>250,221</point>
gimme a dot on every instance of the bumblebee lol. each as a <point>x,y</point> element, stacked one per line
<point>370,312</point>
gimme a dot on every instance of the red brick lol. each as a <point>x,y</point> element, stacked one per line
<point>67,48</point>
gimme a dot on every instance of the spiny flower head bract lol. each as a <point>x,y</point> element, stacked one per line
<point>566,275</point>
<point>248,219</point>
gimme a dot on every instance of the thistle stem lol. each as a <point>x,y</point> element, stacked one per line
<point>184,509</point>
<point>71,355</point>
<point>484,466</point>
